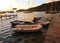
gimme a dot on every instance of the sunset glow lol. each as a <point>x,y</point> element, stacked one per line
<point>7,5</point>
<point>50,0</point>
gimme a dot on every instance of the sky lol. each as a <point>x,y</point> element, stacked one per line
<point>6,5</point>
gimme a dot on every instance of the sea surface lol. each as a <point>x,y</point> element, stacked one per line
<point>5,30</point>
<point>8,36</point>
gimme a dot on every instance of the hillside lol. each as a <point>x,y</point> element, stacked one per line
<point>48,7</point>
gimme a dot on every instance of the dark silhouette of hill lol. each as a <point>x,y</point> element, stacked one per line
<point>47,7</point>
<point>21,10</point>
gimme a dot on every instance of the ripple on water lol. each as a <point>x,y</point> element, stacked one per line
<point>7,35</point>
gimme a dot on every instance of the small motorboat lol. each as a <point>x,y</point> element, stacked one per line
<point>23,26</point>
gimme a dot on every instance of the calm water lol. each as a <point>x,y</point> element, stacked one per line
<point>5,30</point>
<point>8,36</point>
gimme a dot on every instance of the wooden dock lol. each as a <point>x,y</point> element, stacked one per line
<point>53,33</point>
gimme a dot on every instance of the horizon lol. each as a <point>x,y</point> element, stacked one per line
<point>8,5</point>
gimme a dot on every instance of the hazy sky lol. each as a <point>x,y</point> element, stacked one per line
<point>20,4</point>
